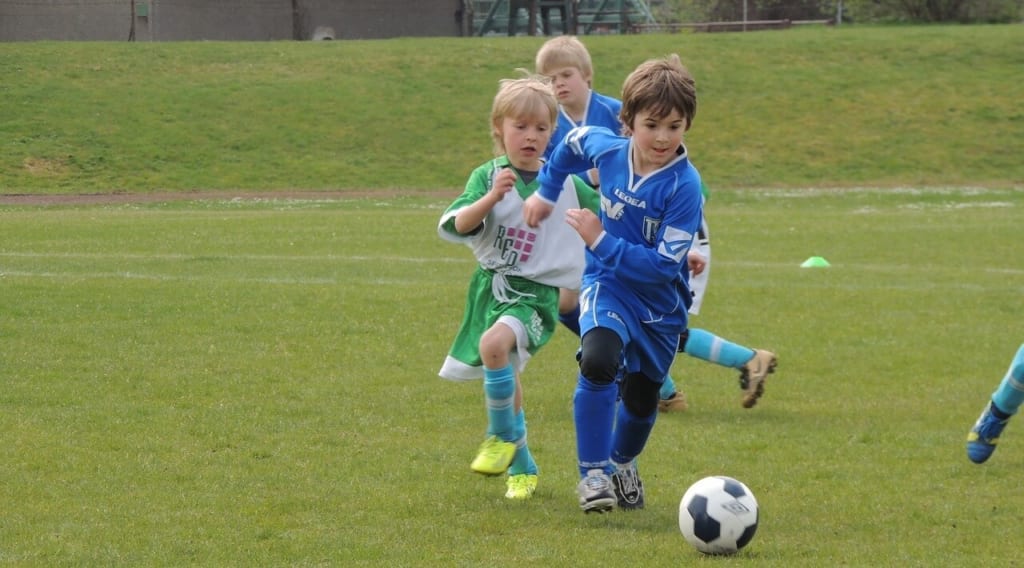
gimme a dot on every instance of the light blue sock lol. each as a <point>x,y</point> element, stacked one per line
<point>668,388</point>
<point>1010,393</point>
<point>709,347</point>
<point>499,395</point>
<point>523,462</point>
<point>594,414</point>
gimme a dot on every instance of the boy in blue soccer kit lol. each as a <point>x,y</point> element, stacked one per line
<point>634,295</point>
<point>566,62</point>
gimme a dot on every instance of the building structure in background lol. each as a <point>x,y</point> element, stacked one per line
<point>227,20</point>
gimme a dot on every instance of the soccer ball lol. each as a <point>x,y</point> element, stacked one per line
<point>718,515</point>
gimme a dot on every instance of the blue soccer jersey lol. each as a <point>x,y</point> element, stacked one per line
<point>602,110</point>
<point>637,268</point>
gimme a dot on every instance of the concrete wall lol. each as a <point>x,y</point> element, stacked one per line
<point>225,20</point>
<point>220,20</point>
<point>72,20</point>
<point>382,18</point>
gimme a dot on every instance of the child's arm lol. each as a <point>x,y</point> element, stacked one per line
<point>469,218</point>
<point>575,155</point>
<point>477,196</point>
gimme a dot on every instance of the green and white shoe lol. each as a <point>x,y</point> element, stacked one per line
<point>521,486</point>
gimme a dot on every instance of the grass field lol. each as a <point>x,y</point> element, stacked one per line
<point>252,382</point>
<point>229,382</point>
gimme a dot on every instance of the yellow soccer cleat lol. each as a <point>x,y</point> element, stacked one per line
<point>521,486</point>
<point>494,456</point>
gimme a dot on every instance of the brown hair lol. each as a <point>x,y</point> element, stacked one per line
<point>659,86</point>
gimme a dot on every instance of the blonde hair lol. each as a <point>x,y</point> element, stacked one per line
<point>659,86</point>
<point>564,51</point>
<point>527,96</point>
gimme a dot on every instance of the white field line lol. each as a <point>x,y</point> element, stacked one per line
<point>77,276</point>
<point>435,260</point>
<point>273,257</point>
<point>72,276</point>
<point>138,275</point>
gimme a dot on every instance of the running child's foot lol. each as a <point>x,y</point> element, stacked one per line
<point>494,456</point>
<point>521,486</point>
<point>753,375</point>
<point>674,403</point>
<point>595,492</point>
<point>629,490</point>
<point>981,440</point>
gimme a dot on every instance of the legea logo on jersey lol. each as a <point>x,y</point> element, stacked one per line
<point>612,211</point>
<point>615,211</point>
<point>514,244</point>
<point>634,201</point>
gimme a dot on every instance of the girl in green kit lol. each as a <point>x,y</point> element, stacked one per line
<point>512,300</point>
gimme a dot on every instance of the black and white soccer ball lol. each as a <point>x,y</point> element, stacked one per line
<point>718,515</point>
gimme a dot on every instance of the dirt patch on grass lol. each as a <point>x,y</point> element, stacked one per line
<point>44,167</point>
<point>114,198</point>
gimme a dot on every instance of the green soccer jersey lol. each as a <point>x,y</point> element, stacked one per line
<point>550,254</point>
<point>520,268</point>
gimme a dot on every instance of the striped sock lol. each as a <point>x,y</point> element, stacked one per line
<point>523,462</point>
<point>499,395</point>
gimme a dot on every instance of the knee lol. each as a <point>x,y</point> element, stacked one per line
<point>600,356</point>
<point>599,367</point>
<point>495,345</point>
<point>640,394</point>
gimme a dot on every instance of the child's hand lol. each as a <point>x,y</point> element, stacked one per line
<point>696,262</point>
<point>536,210</point>
<point>586,223</point>
<point>504,182</point>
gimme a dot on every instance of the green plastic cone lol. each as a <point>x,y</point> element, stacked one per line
<point>815,262</point>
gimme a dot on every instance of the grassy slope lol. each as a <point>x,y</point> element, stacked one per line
<point>805,107</point>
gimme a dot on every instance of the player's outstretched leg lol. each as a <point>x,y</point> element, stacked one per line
<point>1006,400</point>
<point>754,364</point>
